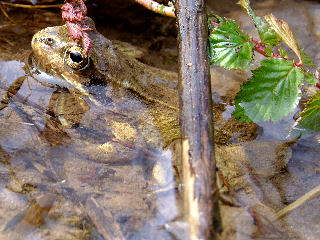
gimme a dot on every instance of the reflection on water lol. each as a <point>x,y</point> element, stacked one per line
<point>71,169</point>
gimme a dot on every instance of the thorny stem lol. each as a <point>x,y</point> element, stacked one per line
<point>158,8</point>
<point>260,48</point>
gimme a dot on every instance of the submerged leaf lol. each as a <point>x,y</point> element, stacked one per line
<point>267,35</point>
<point>229,47</point>
<point>272,92</point>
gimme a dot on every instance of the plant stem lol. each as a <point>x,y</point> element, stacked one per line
<point>302,200</point>
<point>157,8</point>
<point>260,48</point>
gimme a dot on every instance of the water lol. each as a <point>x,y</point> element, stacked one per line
<point>59,177</point>
<point>62,147</point>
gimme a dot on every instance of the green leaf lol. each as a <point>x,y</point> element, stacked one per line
<point>229,47</point>
<point>306,59</point>
<point>240,114</point>
<point>310,78</point>
<point>310,117</point>
<point>272,92</point>
<point>267,35</point>
<point>283,53</point>
<point>268,51</point>
<point>213,20</point>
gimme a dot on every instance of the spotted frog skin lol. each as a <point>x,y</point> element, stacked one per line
<point>126,80</point>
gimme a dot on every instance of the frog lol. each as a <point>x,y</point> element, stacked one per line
<point>133,107</point>
<point>125,80</point>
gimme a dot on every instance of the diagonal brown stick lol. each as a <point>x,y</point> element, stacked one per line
<point>156,7</point>
<point>196,119</point>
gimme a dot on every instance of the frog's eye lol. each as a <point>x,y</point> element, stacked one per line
<point>76,58</point>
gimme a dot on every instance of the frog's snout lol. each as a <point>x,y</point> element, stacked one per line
<point>34,41</point>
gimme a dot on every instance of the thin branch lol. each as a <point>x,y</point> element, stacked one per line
<point>260,48</point>
<point>157,8</point>
<point>30,6</point>
<point>5,14</point>
<point>302,200</point>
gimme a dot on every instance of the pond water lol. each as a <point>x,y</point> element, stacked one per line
<point>60,173</point>
<point>82,164</point>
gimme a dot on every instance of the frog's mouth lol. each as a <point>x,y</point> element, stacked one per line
<point>32,63</point>
<point>39,73</point>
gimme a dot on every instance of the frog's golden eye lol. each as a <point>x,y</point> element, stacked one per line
<point>76,58</point>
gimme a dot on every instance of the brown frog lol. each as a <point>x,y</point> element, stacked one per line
<point>126,80</point>
<point>144,98</point>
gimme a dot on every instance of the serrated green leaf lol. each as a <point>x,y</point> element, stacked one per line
<point>229,47</point>
<point>310,78</point>
<point>267,35</point>
<point>272,92</point>
<point>310,117</point>
<point>240,114</point>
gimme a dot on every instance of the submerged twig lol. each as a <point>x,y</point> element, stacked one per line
<point>5,13</point>
<point>308,196</point>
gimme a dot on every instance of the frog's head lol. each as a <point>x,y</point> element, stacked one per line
<point>56,54</point>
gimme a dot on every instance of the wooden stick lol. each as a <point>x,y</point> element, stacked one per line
<point>196,119</point>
